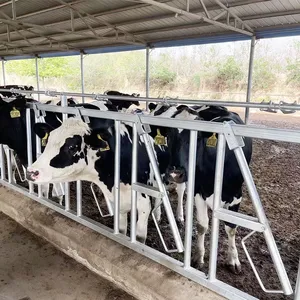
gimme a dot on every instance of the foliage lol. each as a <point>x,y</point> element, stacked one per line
<point>264,77</point>
<point>293,73</point>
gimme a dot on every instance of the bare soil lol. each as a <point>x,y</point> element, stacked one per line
<point>276,170</point>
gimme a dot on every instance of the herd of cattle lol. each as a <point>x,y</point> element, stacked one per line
<point>74,150</point>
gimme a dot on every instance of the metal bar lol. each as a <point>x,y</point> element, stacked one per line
<point>29,144</point>
<point>9,166</point>
<point>2,161</point>
<point>297,288</point>
<point>133,181</point>
<point>250,72</point>
<point>147,73</point>
<point>219,287</point>
<point>37,77</point>
<point>165,200</point>
<point>218,185</point>
<point>72,19</point>
<point>38,152</point>
<point>82,75</point>
<point>3,72</point>
<point>199,17</point>
<point>79,198</point>
<point>285,135</point>
<point>189,208</point>
<point>13,8</point>
<point>205,9</point>
<point>64,103</point>
<point>278,264</point>
<point>117,177</point>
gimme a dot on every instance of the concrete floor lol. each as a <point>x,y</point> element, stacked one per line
<point>32,269</point>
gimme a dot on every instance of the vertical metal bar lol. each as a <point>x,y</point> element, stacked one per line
<point>190,199</point>
<point>250,72</point>
<point>82,75</point>
<point>117,177</point>
<point>284,280</point>
<point>165,199</point>
<point>79,198</point>
<point>37,76</point>
<point>2,162</point>
<point>38,153</point>
<point>297,288</point>
<point>147,74</point>
<point>13,8</point>
<point>3,72</point>
<point>9,167</point>
<point>29,143</point>
<point>216,205</point>
<point>64,103</point>
<point>134,180</point>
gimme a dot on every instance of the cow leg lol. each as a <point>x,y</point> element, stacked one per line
<point>180,188</point>
<point>45,190</point>
<point>123,222</point>
<point>233,257</point>
<point>202,226</point>
<point>144,209</point>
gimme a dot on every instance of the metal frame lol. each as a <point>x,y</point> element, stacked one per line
<point>228,133</point>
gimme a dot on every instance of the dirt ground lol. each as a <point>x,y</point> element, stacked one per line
<point>32,269</point>
<point>276,170</point>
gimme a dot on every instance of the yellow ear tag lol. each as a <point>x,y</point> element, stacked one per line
<point>106,147</point>
<point>160,139</point>
<point>212,141</point>
<point>14,113</point>
<point>44,139</point>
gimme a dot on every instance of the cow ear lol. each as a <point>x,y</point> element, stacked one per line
<point>42,129</point>
<point>152,106</point>
<point>99,139</point>
<point>19,102</point>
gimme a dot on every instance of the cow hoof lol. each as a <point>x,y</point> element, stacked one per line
<point>197,264</point>
<point>180,222</point>
<point>235,268</point>
<point>141,239</point>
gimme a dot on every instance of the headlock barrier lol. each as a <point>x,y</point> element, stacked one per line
<point>228,133</point>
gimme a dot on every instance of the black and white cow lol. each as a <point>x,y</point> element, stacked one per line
<point>9,94</point>
<point>178,146</point>
<point>78,151</point>
<point>122,104</point>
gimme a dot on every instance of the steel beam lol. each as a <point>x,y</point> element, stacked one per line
<point>250,72</point>
<point>37,76</point>
<point>147,73</point>
<point>82,74</point>
<point>3,72</point>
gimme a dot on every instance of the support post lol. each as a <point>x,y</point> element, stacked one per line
<point>147,74</point>
<point>190,199</point>
<point>82,74</point>
<point>297,289</point>
<point>250,71</point>
<point>29,144</point>
<point>3,72</point>
<point>117,177</point>
<point>13,8</point>
<point>2,162</point>
<point>37,76</point>
<point>216,205</point>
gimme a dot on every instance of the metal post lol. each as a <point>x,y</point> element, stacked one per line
<point>216,205</point>
<point>79,198</point>
<point>134,180</point>
<point>297,288</point>
<point>162,189</point>
<point>9,167</point>
<point>147,71</point>
<point>284,280</point>
<point>117,178</point>
<point>29,143</point>
<point>3,72</point>
<point>64,103</point>
<point>37,76</point>
<point>13,8</point>
<point>38,153</point>
<point>2,162</point>
<point>82,75</point>
<point>250,71</point>
<point>190,199</point>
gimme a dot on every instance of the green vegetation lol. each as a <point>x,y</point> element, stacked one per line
<point>206,71</point>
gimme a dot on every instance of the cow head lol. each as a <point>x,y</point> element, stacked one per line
<point>71,151</point>
<point>122,104</point>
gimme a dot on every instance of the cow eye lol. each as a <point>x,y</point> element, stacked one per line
<point>72,147</point>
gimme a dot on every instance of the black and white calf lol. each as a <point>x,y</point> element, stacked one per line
<point>178,147</point>
<point>122,104</point>
<point>77,151</point>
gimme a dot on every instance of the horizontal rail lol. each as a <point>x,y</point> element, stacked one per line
<point>160,100</point>
<point>283,135</point>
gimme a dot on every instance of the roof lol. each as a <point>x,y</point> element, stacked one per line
<point>66,27</point>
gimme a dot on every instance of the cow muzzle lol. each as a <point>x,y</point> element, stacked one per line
<point>32,175</point>
<point>176,175</point>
